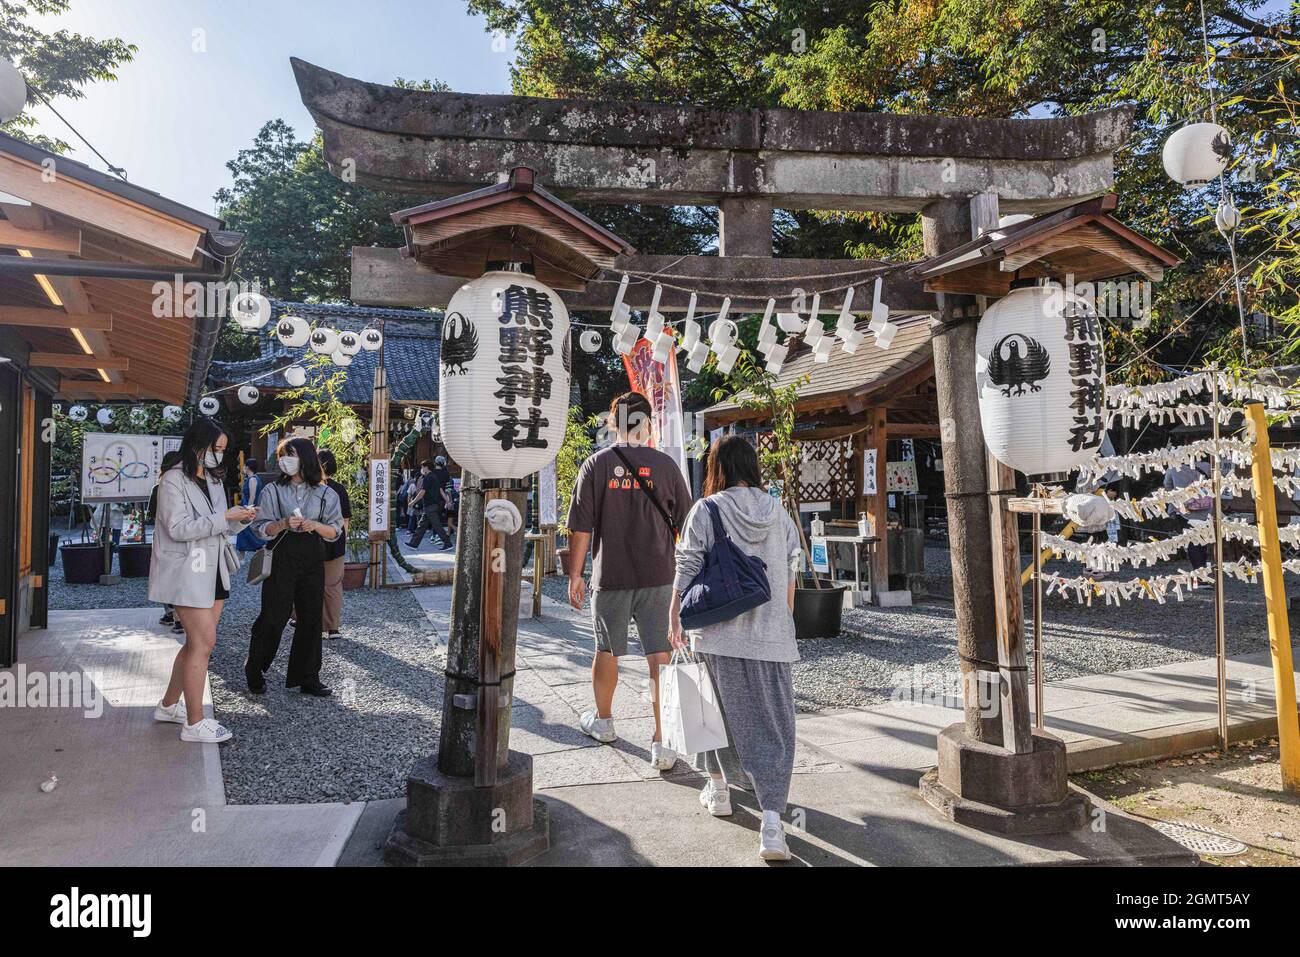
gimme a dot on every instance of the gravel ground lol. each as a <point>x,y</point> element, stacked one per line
<point>386,672</point>
<point>879,648</point>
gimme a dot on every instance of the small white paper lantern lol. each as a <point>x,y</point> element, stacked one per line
<point>1227,217</point>
<point>371,339</point>
<point>13,91</point>
<point>209,405</point>
<point>1196,154</point>
<point>323,341</point>
<point>248,394</point>
<point>105,416</point>
<point>78,413</point>
<point>292,331</point>
<point>340,358</point>
<point>251,310</point>
<point>138,415</point>
<point>504,384</point>
<point>590,341</point>
<point>1040,374</point>
<point>296,376</point>
<point>349,343</point>
<point>172,413</point>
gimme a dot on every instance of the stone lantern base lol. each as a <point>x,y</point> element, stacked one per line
<point>984,786</point>
<point>448,822</point>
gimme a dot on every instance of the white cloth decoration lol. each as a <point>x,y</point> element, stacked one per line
<point>503,516</point>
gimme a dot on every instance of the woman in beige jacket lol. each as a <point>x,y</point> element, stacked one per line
<point>191,567</point>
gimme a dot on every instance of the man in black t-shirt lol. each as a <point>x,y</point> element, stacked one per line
<point>433,496</point>
<point>633,561</point>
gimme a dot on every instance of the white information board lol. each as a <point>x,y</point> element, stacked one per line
<point>379,497</point>
<point>546,497</point>
<point>122,468</point>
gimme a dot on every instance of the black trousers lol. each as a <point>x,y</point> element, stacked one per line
<point>431,518</point>
<point>297,580</point>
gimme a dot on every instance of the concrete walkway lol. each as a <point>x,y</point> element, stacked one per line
<point>130,792</point>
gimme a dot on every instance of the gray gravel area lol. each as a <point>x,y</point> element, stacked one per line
<point>885,652</point>
<point>386,672</point>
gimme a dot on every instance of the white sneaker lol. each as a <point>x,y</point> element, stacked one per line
<point>207,731</point>
<point>602,729</point>
<point>716,799</point>
<point>661,758</point>
<point>771,843</point>
<point>175,714</point>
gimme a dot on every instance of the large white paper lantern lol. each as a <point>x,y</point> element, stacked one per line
<point>13,91</point>
<point>323,341</point>
<point>1040,374</point>
<point>503,385</point>
<point>371,339</point>
<point>1196,154</point>
<point>248,394</point>
<point>349,343</point>
<point>292,331</point>
<point>251,310</point>
<point>296,376</point>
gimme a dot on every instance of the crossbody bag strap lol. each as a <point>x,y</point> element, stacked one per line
<point>279,507</point>
<point>672,526</point>
<point>720,537</point>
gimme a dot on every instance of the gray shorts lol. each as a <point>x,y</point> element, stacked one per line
<point>612,609</point>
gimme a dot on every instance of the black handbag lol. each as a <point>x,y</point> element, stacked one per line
<point>730,583</point>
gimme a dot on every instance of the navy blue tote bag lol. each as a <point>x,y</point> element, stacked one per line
<point>730,583</point>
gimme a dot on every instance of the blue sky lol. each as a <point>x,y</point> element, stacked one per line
<point>177,114</point>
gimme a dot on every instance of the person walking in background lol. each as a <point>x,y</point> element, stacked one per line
<point>247,540</point>
<point>190,567</point>
<point>628,502</point>
<point>748,657</point>
<point>403,494</point>
<point>1197,511</point>
<point>412,512</point>
<point>335,552</point>
<point>432,498</point>
<point>297,515</point>
<point>168,461</point>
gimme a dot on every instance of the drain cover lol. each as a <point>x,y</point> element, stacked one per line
<point>1201,839</point>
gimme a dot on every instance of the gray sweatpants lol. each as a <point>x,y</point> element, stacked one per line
<point>757,699</point>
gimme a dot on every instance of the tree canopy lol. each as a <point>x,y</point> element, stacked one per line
<point>55,65</point>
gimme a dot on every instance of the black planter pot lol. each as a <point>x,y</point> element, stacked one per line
<point>54,547</point>
<point>83,563</point>
<point>817,611</point>
<point>133,559</point>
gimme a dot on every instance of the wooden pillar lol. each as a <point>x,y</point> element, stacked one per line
<point>473,669</point>
<point>878,504</point>
<point>1013,691</point>
<point>946,224</point>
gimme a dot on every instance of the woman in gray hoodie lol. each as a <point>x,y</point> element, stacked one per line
<point>748,657</point>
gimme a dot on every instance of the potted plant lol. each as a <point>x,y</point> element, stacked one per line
<point>818,604</point>
<point>340,430</point>
<point>83,561</point>
<point>576,449</point>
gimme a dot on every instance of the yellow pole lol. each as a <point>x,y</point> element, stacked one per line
<point>1279,631</point>
<point>1043,556</point>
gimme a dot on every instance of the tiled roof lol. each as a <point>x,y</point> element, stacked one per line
<point>412,344</point>
<point>869,368</point>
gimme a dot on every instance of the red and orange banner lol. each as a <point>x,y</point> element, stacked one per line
<point>658,382</point>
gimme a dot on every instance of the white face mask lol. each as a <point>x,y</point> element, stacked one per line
<point>212,458</point>
<point>288,464</point>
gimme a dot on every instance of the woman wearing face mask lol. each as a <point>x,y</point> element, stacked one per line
<point>296,516</point>
<point>191,568</point>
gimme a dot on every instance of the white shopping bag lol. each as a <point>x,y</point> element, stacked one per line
<point>688,707</point>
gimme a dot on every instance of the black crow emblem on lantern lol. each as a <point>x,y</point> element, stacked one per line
<point>1013,370</point>
<point>459,344</point>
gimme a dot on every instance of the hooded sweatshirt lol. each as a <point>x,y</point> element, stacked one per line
<point>759,526</point>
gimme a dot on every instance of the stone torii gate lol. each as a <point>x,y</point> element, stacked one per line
<point>958,173</point>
